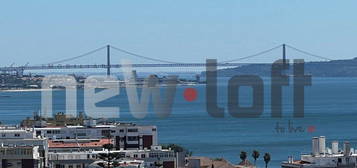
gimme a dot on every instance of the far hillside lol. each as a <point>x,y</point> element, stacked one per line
<point>335,68</point>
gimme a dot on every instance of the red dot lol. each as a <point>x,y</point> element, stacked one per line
<point>190,94</point>
<point>311,129</point>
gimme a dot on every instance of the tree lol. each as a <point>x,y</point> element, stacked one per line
<point>255,156</point>
<point>189,154</point>
<point>108,157</point>
<point>266,159</point>
<point>243,155</point>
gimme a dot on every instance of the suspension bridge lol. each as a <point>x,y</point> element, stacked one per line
<point>19,70</point>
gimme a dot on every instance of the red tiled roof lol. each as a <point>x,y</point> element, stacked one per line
<point>79,144</point>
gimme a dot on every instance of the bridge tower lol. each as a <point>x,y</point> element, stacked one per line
<point>108,60</point>
<point>284,54</point>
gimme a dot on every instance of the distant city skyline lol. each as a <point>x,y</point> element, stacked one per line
<point>191,31</point>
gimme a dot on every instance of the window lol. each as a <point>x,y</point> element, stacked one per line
<point>133,130</point>
<point>142,155</point>
<point>78,166</point>
<point>132,138</point>
<point>105,132</point>
<point>17,135</point>
<point>70,166</point>
<point>3,135</point>
<point>153,155</point>
<point>121,130</point>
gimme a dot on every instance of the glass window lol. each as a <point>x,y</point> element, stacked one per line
<point>133,130</point>
<point>132,138</point>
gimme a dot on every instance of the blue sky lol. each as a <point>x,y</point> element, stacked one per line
<point>183,30</point>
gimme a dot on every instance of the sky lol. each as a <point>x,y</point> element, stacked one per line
<point>42,31</point>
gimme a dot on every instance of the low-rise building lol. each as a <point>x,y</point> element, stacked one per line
<point>78,146</point>
<point>20,157</point>
<point>16,133</point>
<point>12,137</point>
<point>125,136</point>
<point>71,159</point>
<point>69,145</point>
<point>148,158</point>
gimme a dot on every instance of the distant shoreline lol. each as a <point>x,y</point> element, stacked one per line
<point>34,90</point>
<point>26,90</point>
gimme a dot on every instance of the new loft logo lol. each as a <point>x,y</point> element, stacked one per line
<point>163,105</point>
<point>278,80</point>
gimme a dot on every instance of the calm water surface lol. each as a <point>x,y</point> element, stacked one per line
<point>331,108</point>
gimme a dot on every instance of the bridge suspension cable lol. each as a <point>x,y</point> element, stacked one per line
<point>144,57</point>
<point>172,62</point>
<point>76,57</point>
<point>253,55</point>
<point>308,53</point>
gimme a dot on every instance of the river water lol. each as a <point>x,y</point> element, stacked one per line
<point>330,110</point>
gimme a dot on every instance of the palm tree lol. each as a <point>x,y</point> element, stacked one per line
<point>108,157</point>
<point>266,159</point>
<point>255,155</point>
<point>243,155</point>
